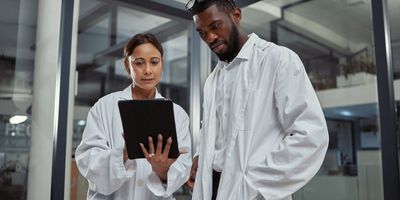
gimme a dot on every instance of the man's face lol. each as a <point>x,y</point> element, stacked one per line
<point>219,31</point>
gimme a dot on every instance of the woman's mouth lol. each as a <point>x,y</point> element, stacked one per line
<point>147,80</point>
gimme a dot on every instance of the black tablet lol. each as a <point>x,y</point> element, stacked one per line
<point>144,118</point>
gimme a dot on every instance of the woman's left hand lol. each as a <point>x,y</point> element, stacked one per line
<point>159,158</point>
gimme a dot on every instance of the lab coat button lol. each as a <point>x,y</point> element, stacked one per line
<point>140,182</point>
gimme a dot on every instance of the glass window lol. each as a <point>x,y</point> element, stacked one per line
<point>17,54</point>
<point>394,16</point>
<point>104,29</point>
<point>334,41</point>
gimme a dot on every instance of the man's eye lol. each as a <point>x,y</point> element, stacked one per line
<point>216,26</point>
<point>202,33</point>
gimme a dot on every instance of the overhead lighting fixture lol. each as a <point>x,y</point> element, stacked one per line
<point>346,113</point>
<point>81,122</point>
<point>17,119</point>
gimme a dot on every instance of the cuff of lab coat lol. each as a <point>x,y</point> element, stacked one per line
<point>155,185</point>
<point>158,188</point>
<point>127,169</point>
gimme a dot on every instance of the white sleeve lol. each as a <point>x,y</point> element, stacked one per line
<point>100,164</point>
<point>179,171</point>
<point>300,154</point>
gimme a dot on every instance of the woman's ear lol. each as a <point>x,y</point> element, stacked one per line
<point>127,69</point>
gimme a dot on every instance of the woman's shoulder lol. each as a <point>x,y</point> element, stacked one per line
<point>180,111</point>
<point>108,100</point>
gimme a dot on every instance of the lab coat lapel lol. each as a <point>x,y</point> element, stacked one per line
<point>203,183</point>
<point>248,74</point>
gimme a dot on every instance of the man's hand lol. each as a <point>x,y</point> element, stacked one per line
<point>193,171</point>
<point>125,156</point>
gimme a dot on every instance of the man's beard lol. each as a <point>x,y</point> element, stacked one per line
<point>232,46</point>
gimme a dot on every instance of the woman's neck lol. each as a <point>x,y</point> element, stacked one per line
<point>139,93</point>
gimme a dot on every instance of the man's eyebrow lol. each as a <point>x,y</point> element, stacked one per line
<point>213,23</point>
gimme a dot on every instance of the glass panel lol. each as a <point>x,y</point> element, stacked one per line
<point>17,53</point>
<point>394,16</point>
<point>131,21</point>
<point>334,41</point>
<point>100,61</point>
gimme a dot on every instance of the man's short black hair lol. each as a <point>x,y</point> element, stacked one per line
<point>223,5</point>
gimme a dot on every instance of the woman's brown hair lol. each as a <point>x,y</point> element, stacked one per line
<point>139,39</point>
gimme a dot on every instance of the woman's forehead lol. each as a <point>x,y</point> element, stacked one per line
<point>146,48</point>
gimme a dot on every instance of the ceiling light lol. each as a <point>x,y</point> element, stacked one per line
<point>346,113</point>
<point>17,119</point>
<point>81,122</point>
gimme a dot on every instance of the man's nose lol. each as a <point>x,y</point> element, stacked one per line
<point>211,37</point>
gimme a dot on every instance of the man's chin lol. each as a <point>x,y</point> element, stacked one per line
<point>223,57</point>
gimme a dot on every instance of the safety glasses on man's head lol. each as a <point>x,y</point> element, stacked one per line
<point>190,3</point>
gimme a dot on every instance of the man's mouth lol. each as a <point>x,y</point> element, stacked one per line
<point>217,46</point>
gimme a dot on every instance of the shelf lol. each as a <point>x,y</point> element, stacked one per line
<point>352,96</point>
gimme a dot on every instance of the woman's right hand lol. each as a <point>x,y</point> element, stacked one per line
<point>159,158</point>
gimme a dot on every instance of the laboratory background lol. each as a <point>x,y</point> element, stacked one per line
<point>57,58</point>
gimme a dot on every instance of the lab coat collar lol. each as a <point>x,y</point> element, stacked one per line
<point>126,94</point>
<point>244,52</point>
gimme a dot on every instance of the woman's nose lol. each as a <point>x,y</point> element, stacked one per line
<point>147,69</point>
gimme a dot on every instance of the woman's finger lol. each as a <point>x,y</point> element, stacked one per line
<point>145,152</point>
<point>151,145</point>
<point>167,147</point>
<point>159,144</point>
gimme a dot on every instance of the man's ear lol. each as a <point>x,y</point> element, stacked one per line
<point>236,15</point>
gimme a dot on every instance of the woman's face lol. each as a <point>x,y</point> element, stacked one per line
<point>146,65</point>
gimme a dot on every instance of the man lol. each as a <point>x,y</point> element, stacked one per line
<point>264,135</point>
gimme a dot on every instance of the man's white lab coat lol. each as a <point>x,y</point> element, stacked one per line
<point>278,135</point>
<point>100,156</point>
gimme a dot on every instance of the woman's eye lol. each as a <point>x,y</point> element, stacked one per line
<point>138,63</point>
<point>154,61</point>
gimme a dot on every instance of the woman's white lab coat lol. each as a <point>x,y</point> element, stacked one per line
<point>278,135</point>
<point>100,156</point>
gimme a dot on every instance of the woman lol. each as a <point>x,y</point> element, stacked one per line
<point>101,156</point>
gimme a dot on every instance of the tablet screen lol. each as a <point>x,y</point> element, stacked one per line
<point>144,118</point>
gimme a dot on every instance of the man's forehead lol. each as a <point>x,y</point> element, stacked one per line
<point>209,15</point>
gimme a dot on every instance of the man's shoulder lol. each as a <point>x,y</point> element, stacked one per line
<point>270,49</point>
